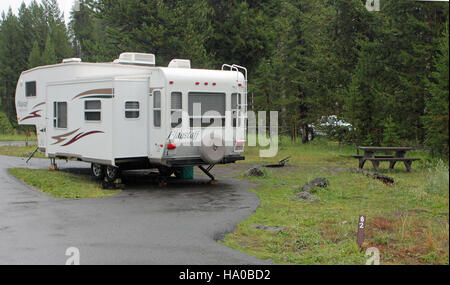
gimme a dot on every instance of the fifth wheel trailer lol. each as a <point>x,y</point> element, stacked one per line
<point>130,114</point>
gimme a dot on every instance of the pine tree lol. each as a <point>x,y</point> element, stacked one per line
<point>11,62</point>
<point>363,104</point>
<point>436,118</point>
<point>49,55</point>
<point>390,133</point>
<point>35,58</point>
<point>26,31</point>
<point>40,28</point>
<point>57,30</point>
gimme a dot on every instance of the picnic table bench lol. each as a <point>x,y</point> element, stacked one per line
<point>400,156</point>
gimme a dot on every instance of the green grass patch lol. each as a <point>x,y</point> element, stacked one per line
<point>16,137</point>
<point>407,222</point>
<point>20,151</point>
<point>60,184</point>
<point>319,148</point>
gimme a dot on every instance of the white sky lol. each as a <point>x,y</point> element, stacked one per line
<point>64,5</point>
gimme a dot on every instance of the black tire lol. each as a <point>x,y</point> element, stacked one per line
<point>98,171</point>
<point>112,173</point>
<point>165,171</point>
<point>178,173</point>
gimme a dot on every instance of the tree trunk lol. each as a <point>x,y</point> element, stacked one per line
<point>304,133</point>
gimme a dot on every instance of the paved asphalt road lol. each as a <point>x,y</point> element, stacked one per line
<point>17,143</point>
<point>142,225</point>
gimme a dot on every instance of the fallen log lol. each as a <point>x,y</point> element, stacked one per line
<point>383,178</point>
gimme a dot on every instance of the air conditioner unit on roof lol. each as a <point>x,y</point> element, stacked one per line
<point>69,60</point>
<point>180,63</point>
<point>136,58</point>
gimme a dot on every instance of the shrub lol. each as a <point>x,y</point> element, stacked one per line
<point>438,179</point>
<point>5,125</point>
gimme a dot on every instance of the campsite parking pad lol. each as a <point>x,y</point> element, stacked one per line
<point>143,224</point>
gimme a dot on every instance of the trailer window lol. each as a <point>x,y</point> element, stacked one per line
<point>215,102</point>
<point>60,115</point>
<point>177,109</point>
<point>157,108</point>
<point>92,110</point>
<point>235,103</point>
<point>30,89</point>
<point>131,110</point>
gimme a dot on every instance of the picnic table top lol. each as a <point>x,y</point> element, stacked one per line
<point>382,148</point>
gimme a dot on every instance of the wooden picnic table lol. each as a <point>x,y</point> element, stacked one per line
<point>400,156</point>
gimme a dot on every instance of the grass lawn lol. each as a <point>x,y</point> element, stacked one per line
<point>407,222</point>
<point>20,151</point>
<point>59,184</point>
<point>16,137</point>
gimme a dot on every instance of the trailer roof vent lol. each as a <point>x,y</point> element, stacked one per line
<point>69,60</point>
<point>136,58</point>
<point>180,63</point>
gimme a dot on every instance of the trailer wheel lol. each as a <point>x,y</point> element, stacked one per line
<point>112,173</point>
<point>165,171</point>
<point>98,171</point>
<point>178,173</point>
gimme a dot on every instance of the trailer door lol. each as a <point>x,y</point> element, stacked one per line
<point>130,118</point>
<point>156,123</point>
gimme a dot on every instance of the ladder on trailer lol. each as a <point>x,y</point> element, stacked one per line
<point>242,105</point>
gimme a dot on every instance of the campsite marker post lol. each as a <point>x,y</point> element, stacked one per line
<point>361,227</point>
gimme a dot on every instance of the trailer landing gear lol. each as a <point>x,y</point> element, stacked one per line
<point>213,181</point>
<point>53,166</point>
<point>162,183</point>
<point>164,174</point>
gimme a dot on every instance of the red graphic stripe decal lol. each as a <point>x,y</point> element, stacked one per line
<point>80,136</point>
<point>40,104</point>
<point>63,137</point>
<point>32,115</point>
<point>105,91</point>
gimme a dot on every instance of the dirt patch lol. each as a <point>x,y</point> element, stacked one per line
<point>336,170</point>
<point>381,224</point>
<point>270,229</point>
<point>413,211</point>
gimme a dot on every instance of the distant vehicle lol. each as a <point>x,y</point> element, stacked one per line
<point>120,115</point>
<point>333,121</point>
<point>329,126</point>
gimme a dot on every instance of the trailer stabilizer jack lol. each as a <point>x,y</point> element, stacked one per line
<point>53,165</point>
<point>208,173</point>
<point>162,184</point>
<point>31,156</point>
<point>117,184</point>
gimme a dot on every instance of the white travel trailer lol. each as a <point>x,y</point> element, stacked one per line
<point>130,114</point>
